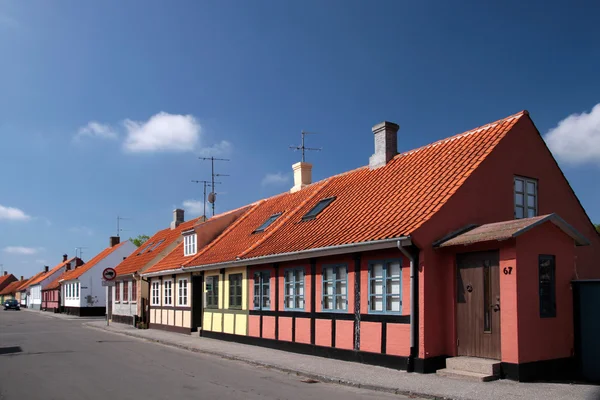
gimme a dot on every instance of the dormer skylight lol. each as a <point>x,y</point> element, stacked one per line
<point>144,249</point>
<point>156,245</point>
<point>316,210</point>
<point>267,223</point>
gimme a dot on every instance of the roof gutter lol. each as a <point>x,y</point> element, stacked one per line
<point>296,255</point>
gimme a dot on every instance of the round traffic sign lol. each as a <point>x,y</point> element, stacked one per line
<point>109,274</point>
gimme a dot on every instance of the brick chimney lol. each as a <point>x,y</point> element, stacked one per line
<point>5,273</point>
<point>46,268</point>
<point>386,144</point>
<point>64,257</point>
<point>114,240</point>
<point>21,277</point>
<point>178,218</point>
<point>302,176</point>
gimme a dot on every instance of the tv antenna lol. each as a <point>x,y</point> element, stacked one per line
<point>303,148</point>
<point>79,250</point>
<point>209,184</point>
<point>212,196</point>
<point>119,230</point>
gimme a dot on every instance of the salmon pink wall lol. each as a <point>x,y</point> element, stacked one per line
<point>344,335</point>
<point>398,339</point>
<point>254,326</point>
<point>370,337</point>
<point>269,327</point>
<point>323,332</point>
<point>303,330</point>
<point>545,338</point>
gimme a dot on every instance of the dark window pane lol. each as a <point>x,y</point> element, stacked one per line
<point>547,286</point>
<point>320,206</point>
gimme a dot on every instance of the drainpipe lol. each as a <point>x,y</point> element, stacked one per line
<point>414,322</point>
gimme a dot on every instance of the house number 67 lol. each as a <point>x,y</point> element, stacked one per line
<point>507,270</point>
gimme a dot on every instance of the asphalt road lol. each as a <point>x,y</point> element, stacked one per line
<point>47,358</point>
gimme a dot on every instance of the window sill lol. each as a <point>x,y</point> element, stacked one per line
<point>234,308</point>
<point>294,309</point>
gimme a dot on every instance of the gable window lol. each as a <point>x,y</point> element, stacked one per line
<point>294,289</point>
<point>385,287</point>
<point>316,210</point>
<point>189,244</point>
<point>335,288</point>
<point>182,292</point>
<point>168,300</point>
<point>155,293</point>
<point>235,291</point>
<point>133,291</point>
<point>525,198</point>
<point>267,223</point>
<point>262,290</point>
<point>212,291</point>
<point>118,291</point>
<point>547,282</point>
<point>125,291</point>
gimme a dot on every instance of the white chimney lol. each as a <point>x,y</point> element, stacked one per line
<point>302,175</point>
<point>386,144</point>
<point>178,218</point>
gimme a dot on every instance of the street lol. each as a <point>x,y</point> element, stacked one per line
<point>46,358</point>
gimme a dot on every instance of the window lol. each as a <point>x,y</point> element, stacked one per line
<point>267,223</point>
<point>335,284</point>
<point>77,290</point>
<point>118,291</point>
<point>525,198</point>
<point>294,289</point>
<point>385,287</point>
<point>125,291</point>
<point>547,276</point>
<point>133,291</point>
<point>189,245</point>
<point>320,206</point>
<point>262,290</point>
<point>212,291</point>
<point>145,248</point>
<point>235,291</point>
<point>156,245</point>
<point>168,293</point>
<point>182,294</point>
<point>155,293</point>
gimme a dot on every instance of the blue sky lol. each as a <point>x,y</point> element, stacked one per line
<point>87,90</point>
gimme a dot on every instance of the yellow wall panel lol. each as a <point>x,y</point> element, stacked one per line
<point>152,316</point>
<point>187,319</point>
<point>164,316</point>
<point>241,324</point>
<point>217,321</point>
<point>178,318</point>
<point>229,321</point>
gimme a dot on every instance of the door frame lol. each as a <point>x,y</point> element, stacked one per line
<point>455,256</point>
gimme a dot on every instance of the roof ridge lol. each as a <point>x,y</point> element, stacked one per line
<point>285,219</point>
<point>226,231</point>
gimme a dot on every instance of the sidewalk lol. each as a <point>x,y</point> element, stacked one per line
<point>63,316</point>
<point>360,375</point>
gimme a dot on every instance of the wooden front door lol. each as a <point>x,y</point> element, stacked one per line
<point>478,304</point>
<point>197,306</point>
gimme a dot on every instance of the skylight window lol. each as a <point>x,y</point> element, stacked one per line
<point>267,223</point>
<point>144,249</point>
<point>156,245</point>
<point>316,210</point>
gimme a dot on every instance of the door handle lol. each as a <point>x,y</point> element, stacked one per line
<point>495,307</point>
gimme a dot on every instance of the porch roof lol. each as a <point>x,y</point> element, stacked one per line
<point>508,230</point>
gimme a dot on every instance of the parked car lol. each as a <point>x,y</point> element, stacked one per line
<point>12,304</point>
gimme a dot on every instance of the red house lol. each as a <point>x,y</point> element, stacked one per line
<point>462,248</point>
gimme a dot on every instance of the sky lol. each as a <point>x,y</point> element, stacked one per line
<point>106,107</point>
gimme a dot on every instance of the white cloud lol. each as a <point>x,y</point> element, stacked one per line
<point>22,250</point>
<point>82,230</point>
<point>217,150</point>
<point>162,132</point>
<point>275,179</point>
<point>13,214</point>
<point>193,207</point>
<point>576,139</point>
<point>96,130</point>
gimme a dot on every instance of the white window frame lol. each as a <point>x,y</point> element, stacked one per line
<point>168,284</point>
<point>525,207</point>
<point>382,283</point>
<point>182,292</point>
<point>190,244</point>
<point>155,293</point>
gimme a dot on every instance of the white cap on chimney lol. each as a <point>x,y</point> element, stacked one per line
<point>386,144</point>
<point>302,175</point>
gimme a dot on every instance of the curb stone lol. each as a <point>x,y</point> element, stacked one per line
<point>320,378</point>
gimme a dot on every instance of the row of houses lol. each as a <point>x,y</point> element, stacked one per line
<point>464,247</point>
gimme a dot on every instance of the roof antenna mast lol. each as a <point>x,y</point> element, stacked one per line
<point>212,196</point>
<point>303,148</point>
<point>209,184</point>
<point>119,230</point>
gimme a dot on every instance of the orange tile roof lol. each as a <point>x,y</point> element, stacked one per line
<point>176,257</point>
<point>136,262</point>
<point>10,288</point>
<point>387,202</point>
<point>28,281</point>
<point>77,272</point>
<point>50,272</point>
<point>5,278</point>
<point>56,283</point>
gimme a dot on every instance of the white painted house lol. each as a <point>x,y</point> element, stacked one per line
<point>81,289</point>
<point>34,288</point>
